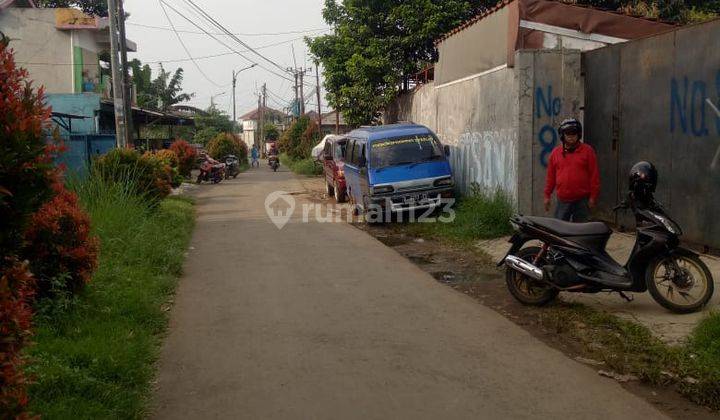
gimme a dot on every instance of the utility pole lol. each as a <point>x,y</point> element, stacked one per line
<point>317,80</point>
<point>297,102</point>
<point>262,125</point>
<point>302,92</point>
<point>234,83</point>
<point>117,79</point>
<point>127,92</point>
<point>260,119</point>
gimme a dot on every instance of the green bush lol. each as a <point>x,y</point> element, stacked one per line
<point>480,215</point>
<point>227,144</point>
<point>298,140</point>
<point>307,166</point>
<point>147,175</point>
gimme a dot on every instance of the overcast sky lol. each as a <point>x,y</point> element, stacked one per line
<point>247,18</point>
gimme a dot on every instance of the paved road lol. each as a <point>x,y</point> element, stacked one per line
<point>321,321</point>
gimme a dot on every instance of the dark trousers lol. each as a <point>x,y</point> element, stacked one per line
<point>573,211</point>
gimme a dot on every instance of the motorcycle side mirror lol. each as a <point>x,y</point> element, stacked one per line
<point>446,148</point>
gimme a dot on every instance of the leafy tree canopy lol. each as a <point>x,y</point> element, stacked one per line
<point>160,93</point>
<point>271,132</point>
<point>90,7</point>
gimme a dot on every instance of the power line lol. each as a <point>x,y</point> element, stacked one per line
<point>238,40</point>
<point>164,28</point>
<point>169,60</point>
<point>185,47</point>
<point>221,42</point>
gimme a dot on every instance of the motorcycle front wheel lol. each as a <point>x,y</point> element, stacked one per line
<point>680,283</point>
<point>526,290</point>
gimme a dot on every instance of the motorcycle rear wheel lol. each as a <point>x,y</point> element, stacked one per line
<point>684,292</point>
<point>526,290</point>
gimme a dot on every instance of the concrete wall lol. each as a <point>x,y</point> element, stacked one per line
<point>501,124</point>
<point>477,118</point>
<point>44,51</point>
<point>647,100</point>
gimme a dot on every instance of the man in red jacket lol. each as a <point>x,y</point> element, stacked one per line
<point>573,173</point>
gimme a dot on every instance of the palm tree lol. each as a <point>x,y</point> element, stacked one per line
<point>166,89</point>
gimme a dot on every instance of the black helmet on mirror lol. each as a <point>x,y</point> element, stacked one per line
<point>570,126</point>
<point>643,180</point>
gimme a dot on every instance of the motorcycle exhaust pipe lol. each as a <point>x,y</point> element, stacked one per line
<point>524,267</point>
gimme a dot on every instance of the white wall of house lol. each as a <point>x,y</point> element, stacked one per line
<point>44,51</point>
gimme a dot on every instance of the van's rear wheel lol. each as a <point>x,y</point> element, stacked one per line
<point>526,290</point>
<point>680,283</point>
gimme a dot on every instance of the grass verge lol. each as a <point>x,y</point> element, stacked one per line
<point>94,358</point>
<point>629,348</point>
<point>301,166</point>
<point>477,216</point>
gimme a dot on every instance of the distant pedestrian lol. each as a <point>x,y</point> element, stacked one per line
<point>573,173</point>
<point>255,155</point>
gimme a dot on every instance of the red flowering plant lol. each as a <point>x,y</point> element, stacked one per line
<point>16,291</point>
<point>28,179</point>
<point>27,172</point>
<point>186,155</point>
<point>62,252</point>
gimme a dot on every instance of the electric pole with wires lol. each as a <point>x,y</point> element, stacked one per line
<point>317,87</point>
<point>121,129</point>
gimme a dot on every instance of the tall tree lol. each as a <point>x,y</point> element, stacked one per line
<point>91,7</point>
<point>142,79</point>
<point>167,88</point>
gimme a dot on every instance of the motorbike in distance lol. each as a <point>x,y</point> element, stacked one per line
<point>572,256</point>
<point>274,162</point>
<point>232,166</point>
<point>211,171</point>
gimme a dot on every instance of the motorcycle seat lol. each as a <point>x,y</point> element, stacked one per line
<point>570,229</point>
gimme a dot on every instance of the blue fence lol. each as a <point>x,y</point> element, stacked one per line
<point>81,149</point>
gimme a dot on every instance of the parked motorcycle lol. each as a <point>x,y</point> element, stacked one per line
<point>572,256</point>
<point>232,166</point>
<point>274,162</point>
<point>211,171</point>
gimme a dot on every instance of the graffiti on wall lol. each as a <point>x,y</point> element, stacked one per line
<point>547,105</point>
<point>689,108</point>
<point>487,158</point>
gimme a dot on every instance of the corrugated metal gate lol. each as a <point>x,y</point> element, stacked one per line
<point>81,149</point>
<point>648,100</point>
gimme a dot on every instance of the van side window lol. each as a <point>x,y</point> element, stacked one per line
<point>327,150</point>
<point>357,152</point>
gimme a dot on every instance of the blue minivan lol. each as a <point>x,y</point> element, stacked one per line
<point>398,167</point>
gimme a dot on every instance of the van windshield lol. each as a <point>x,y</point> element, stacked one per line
<point>405,150</point>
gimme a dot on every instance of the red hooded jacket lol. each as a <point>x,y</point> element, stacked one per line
<point>575,175</point>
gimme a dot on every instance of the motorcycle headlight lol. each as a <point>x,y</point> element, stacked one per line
<point>383,189</point>
<point>444,182</point>
<point>669,225</point>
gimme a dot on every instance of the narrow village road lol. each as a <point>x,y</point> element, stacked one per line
<point>321,321</point>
